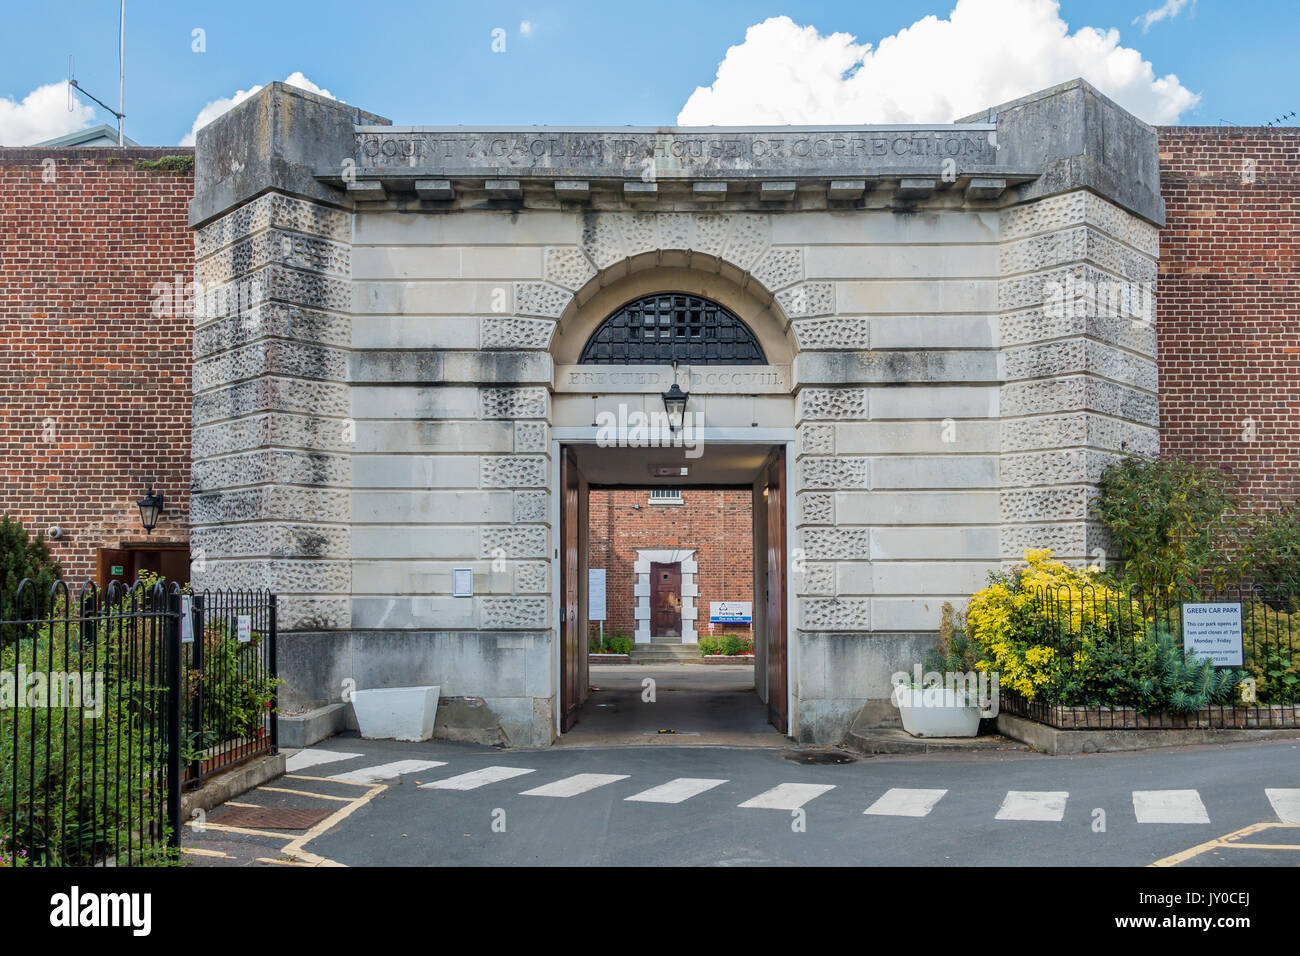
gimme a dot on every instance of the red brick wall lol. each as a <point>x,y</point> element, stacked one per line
<point>1229,303</point>
<point>717,523</point>
<point>94,388</point>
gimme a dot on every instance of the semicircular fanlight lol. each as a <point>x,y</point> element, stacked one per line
<point>672,326</point>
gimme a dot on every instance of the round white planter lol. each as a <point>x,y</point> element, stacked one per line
<point>937,712</point>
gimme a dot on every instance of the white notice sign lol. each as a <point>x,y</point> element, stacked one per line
<point>187,619</point>
<point>731,612</point>
<point>1213,631</point>
<point>595,594</point>
<point>244,628</point>
<point>462,582</point>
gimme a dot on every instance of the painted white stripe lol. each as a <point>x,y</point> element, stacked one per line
<point>675,791</point>
<point>1286,804</point>
<point>788,796</point>
<point>903,802</point>
<point>387,771</point>
<point>314,757</point>
<point>476,778</point>
<point>572,786</point>
<point>1169,806</point>
<point>1048,805</point>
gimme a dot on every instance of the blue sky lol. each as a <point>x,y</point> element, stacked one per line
<point>633,63</point>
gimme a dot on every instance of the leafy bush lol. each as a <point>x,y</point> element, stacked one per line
<point>90,781</point>
<point>1272,652</point>
<point>956,652</point>
<point>1273,556</point>
<point>1065,636</point>
<point>613,644</point>
<point>1013,634</point>
<point>1166,517</point>
<point>22,556</point>
<point>726,645</point>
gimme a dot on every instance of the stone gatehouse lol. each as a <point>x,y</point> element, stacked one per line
<point>947,332</point>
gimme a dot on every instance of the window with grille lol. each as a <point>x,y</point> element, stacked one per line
<point>661,329</point>
<point>665,495</point>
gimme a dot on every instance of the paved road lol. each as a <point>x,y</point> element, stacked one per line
<point>443,803</point>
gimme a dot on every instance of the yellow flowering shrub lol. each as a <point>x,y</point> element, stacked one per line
<point>1007,619</point>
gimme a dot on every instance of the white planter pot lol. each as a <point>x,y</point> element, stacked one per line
<point>396,713</point>
<point>937,712</point>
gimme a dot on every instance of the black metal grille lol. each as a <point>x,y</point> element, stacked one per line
<point>659,329</point>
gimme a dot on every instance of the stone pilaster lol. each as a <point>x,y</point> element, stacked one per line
<point>272,432</point>
<point>1076,309</point>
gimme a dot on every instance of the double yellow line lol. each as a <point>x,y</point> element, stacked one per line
<point>1231,841</point>
<point>294,847</point>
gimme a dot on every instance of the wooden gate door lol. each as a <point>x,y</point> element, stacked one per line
<point>570,671</point>
<point>777,699</point>
<point>665,600</point>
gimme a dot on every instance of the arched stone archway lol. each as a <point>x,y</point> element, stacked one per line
<point>383,370</point>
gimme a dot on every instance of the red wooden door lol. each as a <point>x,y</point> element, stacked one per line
<point>665,600</point>
<point>570,670</point>
<point>777,699</point>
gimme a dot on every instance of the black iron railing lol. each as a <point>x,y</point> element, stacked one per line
<point>1131,661</point>
<point>111,702</point>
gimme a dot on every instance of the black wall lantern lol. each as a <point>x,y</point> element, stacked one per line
<point>675,403</point>
<point>151,506</point>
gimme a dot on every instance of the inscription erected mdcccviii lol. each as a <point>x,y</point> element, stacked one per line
<point>578,151</point>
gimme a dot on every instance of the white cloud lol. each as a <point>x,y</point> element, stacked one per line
<point>43,114</point>
<point>987,52</point>
<point>1170,10</point>
<point>526,28</point>
<point>227,103</point>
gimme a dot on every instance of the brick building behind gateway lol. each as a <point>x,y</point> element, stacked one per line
<point>717,524</point>
<point>95,392</point>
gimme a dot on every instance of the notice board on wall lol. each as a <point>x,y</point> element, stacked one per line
<point>595,594</point>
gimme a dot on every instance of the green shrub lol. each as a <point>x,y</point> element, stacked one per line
<point>1167,518</point>
<point>956,652</point>
<point>1273,556</point>
<point>725,645</point>
<point>93,772</point>
<point>22,556</point>
<point>618,645</point>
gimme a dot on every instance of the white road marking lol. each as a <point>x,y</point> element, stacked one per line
<point>1048,805</point>
<point>387,771</point>
<point>572,786</point>
<point>476,778</point>
<point>903,802</point>
<point>675,791</point>
<point>1286,804</point>
<point>787,796</point>
<point>1169,806</point>
<point>314,757</point>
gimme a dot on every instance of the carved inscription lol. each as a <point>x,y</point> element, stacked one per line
<point>683,153</point>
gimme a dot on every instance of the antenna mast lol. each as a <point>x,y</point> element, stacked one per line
<point>121,80</point>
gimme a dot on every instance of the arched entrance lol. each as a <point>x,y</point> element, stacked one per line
<point>617,355</point>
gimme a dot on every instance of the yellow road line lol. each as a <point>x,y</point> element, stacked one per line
<point>267,859</point>
<point>295,848</point>
<point>247,831</point>
<point>199,851</point>
<point>1226,842</point>
<point>306,793</point>
<point>347,783</point>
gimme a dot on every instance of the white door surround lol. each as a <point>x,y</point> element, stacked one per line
<point>641,590</point>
